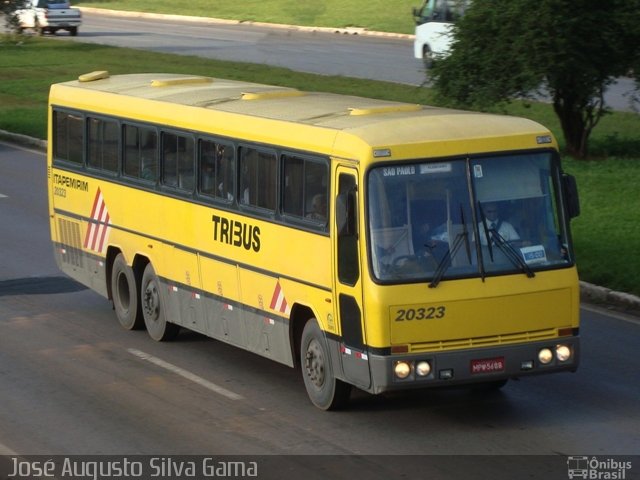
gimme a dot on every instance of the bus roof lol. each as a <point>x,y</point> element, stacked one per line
<point>353,123</point>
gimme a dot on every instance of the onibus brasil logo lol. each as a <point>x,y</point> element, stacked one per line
<point>594,468</point>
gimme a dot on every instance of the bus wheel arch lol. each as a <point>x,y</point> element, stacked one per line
<point>299,316</point>
<point>139,264</point>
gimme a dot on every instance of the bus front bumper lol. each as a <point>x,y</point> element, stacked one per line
<point>473,366</point>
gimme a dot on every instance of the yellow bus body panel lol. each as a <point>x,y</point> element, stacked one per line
<point>497,311</point>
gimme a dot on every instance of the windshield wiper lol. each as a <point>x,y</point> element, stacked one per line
<point>510,252</point>
<point>492,236</point>
<point>444,264</point>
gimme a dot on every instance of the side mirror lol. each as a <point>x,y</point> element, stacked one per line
<point>571,198</point>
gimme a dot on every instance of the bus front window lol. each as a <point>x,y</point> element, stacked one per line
<point>517,201</point>
<point>465,218</point>
<point>421,220</point>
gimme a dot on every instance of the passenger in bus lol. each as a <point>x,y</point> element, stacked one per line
<point>149,172</point>
<point>495,225</point>
<point>225,169</point>
<point>149,158</point>
<point>318,208</point>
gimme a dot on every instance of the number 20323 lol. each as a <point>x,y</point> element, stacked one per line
<point>420,313</point>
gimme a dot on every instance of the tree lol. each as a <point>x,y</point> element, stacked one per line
<point>572,49</point>
<point>9,8</point>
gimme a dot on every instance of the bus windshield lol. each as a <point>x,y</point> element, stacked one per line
<point>467,217</point>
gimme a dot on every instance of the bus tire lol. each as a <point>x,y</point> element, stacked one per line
<point>153,310</point>
<point>324,390</point>
<point>124,293</point>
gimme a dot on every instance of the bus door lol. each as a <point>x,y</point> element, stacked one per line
<point>347,281</point>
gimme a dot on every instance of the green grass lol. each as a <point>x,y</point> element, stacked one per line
<point>27,70</point>
<point>606,234</point>
<point>381,15</point>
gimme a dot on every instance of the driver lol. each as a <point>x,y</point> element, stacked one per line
<point>496,225</point>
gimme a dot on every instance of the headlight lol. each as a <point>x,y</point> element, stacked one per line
<point>545,356</point>
<point>402,370</point>
<point>563,353</point>
<point>423,368</point>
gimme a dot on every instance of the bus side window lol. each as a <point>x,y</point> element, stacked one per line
<point>68,133</point>
<point>102,144</point>
<point>216,170</point>
<point>169,159</point>
<point>140,153</point>
<point>207,166</point>
<point>258,178</point>
<point>305,188</point>
<point>177,161</point>
<point>148,154</point>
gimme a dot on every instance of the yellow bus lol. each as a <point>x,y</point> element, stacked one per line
<point>370,243</point>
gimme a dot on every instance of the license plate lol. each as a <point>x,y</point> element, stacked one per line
<point>487,365</point>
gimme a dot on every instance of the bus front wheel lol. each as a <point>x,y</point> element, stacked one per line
<point>125,295</point>
<point>324,390</point>
<point>153,309</point>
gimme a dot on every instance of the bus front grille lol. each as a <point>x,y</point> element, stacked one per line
<point>511,338</point>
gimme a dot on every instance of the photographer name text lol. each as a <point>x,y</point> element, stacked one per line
<point>154,467</point>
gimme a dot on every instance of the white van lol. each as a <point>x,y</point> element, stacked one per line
<point>433,28</point>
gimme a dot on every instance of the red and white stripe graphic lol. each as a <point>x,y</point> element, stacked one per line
<point>347,351</point>
<point>98,229</point>
<point>278,302</point>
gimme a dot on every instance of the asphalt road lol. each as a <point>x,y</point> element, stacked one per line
<point>387,57</point>
<point>321,52</point>
<point>74,382</point>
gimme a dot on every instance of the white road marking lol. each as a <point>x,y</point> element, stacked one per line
<point>2,196</point>
<point>186,374</point>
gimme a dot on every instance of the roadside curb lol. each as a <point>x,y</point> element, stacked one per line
<point>23,140</point>
<point>597,295</point>
<point>222,21</point>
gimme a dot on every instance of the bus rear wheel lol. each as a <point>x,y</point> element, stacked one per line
<point>153,310</point>
<point>324,390</point>
<point>124,293</point>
